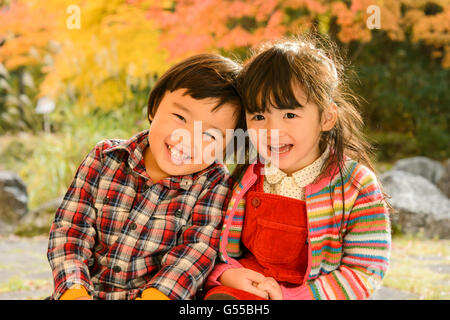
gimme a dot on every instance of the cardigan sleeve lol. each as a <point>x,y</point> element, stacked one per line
<point>366,250</point>
<point>231,247</point>
<point>213,278</point>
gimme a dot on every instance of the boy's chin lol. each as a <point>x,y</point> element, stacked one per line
<point>184,169</point>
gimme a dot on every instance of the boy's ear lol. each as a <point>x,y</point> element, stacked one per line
<point>329,117</point>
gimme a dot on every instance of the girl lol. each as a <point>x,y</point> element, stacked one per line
<point>316,223</point>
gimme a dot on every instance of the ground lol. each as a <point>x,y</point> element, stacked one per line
<point>420,269</point>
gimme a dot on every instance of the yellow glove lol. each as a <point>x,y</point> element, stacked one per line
<point>152,294</point>
<point>74,292</point>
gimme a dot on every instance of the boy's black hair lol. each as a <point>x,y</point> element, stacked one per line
<point>203,76</point>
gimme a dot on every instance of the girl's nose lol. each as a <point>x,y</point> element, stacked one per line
<point>274,128</point>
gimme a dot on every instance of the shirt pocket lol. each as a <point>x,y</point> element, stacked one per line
<point>110,221</point>
<point>278,243</point>
<point>160,232</point>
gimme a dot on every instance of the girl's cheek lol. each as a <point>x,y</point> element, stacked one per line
<point>259,141</point>
<point>253,135</point>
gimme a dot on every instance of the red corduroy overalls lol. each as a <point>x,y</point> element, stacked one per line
<point>275,232</point>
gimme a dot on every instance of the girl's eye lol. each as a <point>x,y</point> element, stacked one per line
<point>258,117</point>
<point>179,117</point>
<point>290,115</point>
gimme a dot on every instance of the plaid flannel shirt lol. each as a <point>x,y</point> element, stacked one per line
<point>116,233</point>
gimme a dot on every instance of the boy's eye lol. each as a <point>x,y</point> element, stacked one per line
<point>209,136</point>
<point>179,117</point>
<point>258,117</point>
<point>290,115</point>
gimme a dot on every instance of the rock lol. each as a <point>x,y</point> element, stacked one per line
<point>13,200</point>
<point>420,205</point>
<point>422,166</point>
<point>444,183</point>
<point>39,220</point>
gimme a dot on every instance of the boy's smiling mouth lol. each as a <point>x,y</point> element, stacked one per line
<point>177,156</point>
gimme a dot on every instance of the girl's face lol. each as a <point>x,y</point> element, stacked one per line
<point>297,143</point>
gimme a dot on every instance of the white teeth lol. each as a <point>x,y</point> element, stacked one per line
<point>280,148</point>
<point>177,155</point>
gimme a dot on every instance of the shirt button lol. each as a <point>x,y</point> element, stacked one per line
<point>256,202</point>
<point>117,269</point>
<point>178,213</point>
<point>106,200</point>
<point>133,226</point>
<point>185,184</point>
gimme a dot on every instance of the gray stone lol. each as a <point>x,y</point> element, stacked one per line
<point>13,200</point>
<point>421,166</point>
<point>39,220</point>
<point>444,183</point>
<point>420,205</point>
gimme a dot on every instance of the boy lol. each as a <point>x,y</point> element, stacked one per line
<point>142,219</point>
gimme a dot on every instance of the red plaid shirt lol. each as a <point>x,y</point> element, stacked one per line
<point>117,234</point>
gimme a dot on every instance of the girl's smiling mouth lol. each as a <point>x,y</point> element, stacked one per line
<point>281,148</point>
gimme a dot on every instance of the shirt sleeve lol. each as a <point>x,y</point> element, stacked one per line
<point>366,250</point>
<point>72,234</point>
<point>185,267</point>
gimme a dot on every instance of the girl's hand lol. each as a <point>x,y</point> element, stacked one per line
<point>244,279</point>
<point>271,286</point>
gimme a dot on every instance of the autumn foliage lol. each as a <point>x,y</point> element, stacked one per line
<point>190,26</point>
<point>121,43</point>
<point>98,63</point>
<point>401,49</point>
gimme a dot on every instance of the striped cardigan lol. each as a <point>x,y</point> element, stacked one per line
<point>348,253</point>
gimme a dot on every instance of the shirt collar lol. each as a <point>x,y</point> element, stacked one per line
<point>135,146</point>
<point>302,177</point>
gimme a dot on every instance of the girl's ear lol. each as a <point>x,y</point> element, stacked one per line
<point>329,117</point>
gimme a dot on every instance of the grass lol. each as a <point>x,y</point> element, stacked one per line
<point>412,269</point>
<point>15,283</point>
<point>412,263</point>
<point>47,162</point>
<point>27,287</point>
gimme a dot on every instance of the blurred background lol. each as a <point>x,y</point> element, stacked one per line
<point>74,72</point>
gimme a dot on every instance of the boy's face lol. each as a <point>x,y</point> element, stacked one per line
<point>186,134</point>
